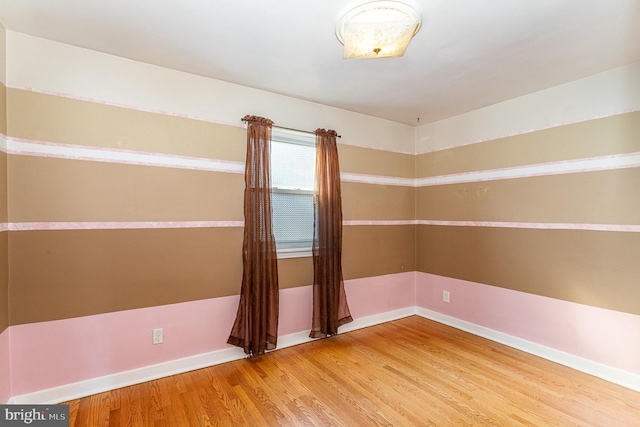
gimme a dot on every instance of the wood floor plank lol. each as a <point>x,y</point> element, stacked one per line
<point>131,404</point>
<point>488,392</point>
<point>349,400</point>
<point>408,372</point>
<point>266,399</point>
<point>84,412</point>
<point>73,411</point>
<point>100,409</point>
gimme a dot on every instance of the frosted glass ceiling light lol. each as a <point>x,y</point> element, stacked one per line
<point>379,29</point>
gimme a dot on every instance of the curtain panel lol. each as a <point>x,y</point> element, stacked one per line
<point>330,308</point>
<point>256,325</point>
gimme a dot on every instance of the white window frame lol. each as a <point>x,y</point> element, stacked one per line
<point>286,136</point>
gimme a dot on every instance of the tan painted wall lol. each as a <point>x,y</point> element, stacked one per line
<point>596,197</point>
<point>587,267</point>
<point>57,274</point>
<point>151,267</point>
<point>611,135</point>
<point>59,190</point>
<point>50,118</point>
<point>3,109</point>
<point>3,155</point>
<point>4,282</point>
<point>4,244</point>
<point>567,233</point>
<point>81,272</point>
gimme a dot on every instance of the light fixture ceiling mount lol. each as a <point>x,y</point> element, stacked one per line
<point>378,29</point>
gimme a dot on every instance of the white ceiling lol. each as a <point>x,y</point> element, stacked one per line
<point>468,53</point>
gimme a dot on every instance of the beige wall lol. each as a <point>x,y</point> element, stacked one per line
<point>552,209</point>
<point>96,270</point>
<point>83,272</point>
<point>116,104</point>
<point>4,248</point>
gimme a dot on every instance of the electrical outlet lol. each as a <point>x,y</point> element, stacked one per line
<point>158,336</point>
<point>445,296</point>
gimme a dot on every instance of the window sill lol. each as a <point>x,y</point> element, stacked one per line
<point>294,253</point>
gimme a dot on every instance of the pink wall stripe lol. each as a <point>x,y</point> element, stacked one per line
<point>25,147</point>
<point>235,124</point>
<point>380,294</point>
<point>89,347</point>
<point>590,164</point>
<point>130,107</point>
<point>20,146</point>
<point>604,336</point>
<point>35,226</point>
<point>366,297</point>
<point>3,143</point>
<point>5,366</point>
<point>379,222</point>
<point>377,179</point>
<point>167,113</point>
<point>536,225</point>
<point>94,346</point>
<point>369,147</point>
<point>554,125</point>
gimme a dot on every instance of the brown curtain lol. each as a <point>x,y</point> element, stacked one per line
<point>330,309</point>
<point>256,325</point>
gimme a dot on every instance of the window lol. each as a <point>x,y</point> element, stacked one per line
<point>293,156</point>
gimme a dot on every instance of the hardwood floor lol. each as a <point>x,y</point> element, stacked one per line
<point>410,372</point>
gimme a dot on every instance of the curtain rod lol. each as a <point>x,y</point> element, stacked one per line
<point>297,130</point>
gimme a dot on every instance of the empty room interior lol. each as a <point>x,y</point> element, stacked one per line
<point>489,180</point>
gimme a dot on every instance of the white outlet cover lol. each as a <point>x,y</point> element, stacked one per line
<point>158,336</point>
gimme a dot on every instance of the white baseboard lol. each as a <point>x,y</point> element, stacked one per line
<point>614,375</point>
<point>363,322</point>
<point>126,378</point>
<point>148,373</point>
<point>178,366</point>
<point>376,319</point>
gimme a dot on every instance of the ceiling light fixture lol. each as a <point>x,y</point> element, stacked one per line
<point>379,29</point>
